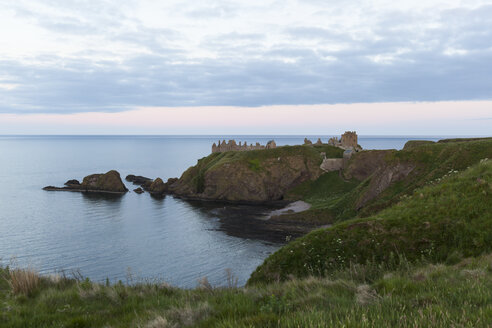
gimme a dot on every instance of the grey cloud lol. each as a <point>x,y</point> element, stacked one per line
<point>219,10</point>
<point>250,73</point>
<point>151,81</point>
<point>307,32</point>
<point>234,36</point>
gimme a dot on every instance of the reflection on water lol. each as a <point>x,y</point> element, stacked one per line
<point>97,198</point>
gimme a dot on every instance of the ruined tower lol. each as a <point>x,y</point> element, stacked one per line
<point>349,140</point>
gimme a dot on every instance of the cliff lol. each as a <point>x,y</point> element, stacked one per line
<point>433,223</point>
<point>253,176</point>
<point>373,180</point>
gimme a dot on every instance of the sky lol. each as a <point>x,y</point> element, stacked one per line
<point>248,67</point>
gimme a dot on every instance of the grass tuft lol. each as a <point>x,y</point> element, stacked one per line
<point>24,281</point>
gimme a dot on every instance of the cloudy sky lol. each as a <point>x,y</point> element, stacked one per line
<point>80,66</point>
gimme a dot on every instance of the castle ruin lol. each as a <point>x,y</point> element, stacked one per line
<point>347,141</point>
<point>231,145</point>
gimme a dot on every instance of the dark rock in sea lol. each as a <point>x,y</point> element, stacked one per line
<point>147,184</point>
<point>157,187</point>
<point>109,182</point>
<point>138,179</point>
<point>73,182</point>
<point>138,190</point>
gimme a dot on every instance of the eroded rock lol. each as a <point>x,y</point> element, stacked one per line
<point>109,182</point>
<point>137,179</point>
<point>157,187</point>
<point>72,182</point>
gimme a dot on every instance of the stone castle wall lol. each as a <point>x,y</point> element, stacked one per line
<point>231,145</point>
<point>347,141</point>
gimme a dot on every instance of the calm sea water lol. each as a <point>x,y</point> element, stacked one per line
<point>133,235</point>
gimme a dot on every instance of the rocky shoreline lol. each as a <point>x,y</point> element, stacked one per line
<point>280,176</point>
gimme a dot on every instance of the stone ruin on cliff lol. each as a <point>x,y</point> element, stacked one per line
<point>347,141</point>
<point>231,145</point>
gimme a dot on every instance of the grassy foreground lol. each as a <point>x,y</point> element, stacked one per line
<point>425,295</point>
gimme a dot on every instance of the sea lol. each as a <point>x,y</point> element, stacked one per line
<point>131,238</point>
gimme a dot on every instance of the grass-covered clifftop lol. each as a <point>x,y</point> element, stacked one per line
<point>449,218</point>
<point>376,179</point>
<point>252,176</point>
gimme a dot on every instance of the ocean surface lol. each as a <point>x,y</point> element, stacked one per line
<point>132,237</point>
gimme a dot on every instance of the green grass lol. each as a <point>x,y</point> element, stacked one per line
<point>454,215</point>
<point>433,161</point>
<point>324,194</point>
<point>424,295</point>
<point>325,189</point>
<point>254,164</point>
<point>335,200</point>
<point>416,143</point>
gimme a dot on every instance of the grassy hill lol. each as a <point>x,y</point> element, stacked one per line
<point>451,217</point>
<point>360,191</point>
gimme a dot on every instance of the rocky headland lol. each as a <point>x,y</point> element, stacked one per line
<point>337,181</point>
<point>256,176</point>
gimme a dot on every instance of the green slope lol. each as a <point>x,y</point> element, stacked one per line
<point>451,216</point>
<point>335,198</point>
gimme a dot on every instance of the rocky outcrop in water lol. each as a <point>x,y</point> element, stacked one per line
<point>157,187</point>
<point>109,182</point>
<point>72,182</point>
<point>138,179</point>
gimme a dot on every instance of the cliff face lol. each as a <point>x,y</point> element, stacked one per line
<point>390,174</point>
<point>375,179</point>
<point>254,176</point>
